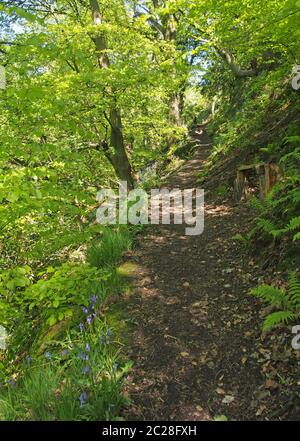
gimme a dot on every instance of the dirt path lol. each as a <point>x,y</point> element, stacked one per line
<point>196,343</point>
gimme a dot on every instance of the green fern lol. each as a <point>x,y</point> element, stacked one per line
<point>277,318</point>
<point>288,301</point>
<point>294,290</point>
<point>266,225</point>
<point>296,237</point>
<point>274,296</point>
<point>294,224</point>
<point>257,204</point>
<point>294,156</point>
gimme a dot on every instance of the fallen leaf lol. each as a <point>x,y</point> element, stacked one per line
<point>220,391</point>
<point>260,410</point>
<point>184,354</point>
<point>220,418</point>
<point>270,384</point>
<point>228,399</point>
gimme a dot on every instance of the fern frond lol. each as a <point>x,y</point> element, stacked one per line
<point>294,156</point>
<point>278,233</point>
<point>257,204</point>
<point>295,196</point>
<point>296,237</point>
<point>294,224</point>
<point>272,295</point>
<point>266,225</point>
<point>277,318</point>
<point>294,290</point>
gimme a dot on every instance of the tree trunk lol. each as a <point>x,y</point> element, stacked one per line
<point>176,101</point>
<point>119,158</point>
<point>176,108</point>
<point>214,104</point>
<point>117,155</point>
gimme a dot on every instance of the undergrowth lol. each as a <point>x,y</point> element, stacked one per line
<point>257,121</point>
<point>62,361</point>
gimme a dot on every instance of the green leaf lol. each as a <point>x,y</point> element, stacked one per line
<point>52,320</point>
<point>296,237</point>
<point>220,418</point>
<point>13,197</point>
<point>278,318</point>
<point>55,304</point>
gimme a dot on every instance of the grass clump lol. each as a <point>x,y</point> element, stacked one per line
<point>110,249</point>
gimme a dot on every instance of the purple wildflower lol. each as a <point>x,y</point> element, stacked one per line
<point>11,382</point>
<point>85,310</point>
<point>48,355</point>
<point>116,366</point>
<point>83,398</point>
<point>83,356</point>
<point>87,347</point>
<point>81,327</point>
<point>64,352</point>
<point>28,360</point>
<point>86,370</point>
<point>89,319</point>
<point>93,299</point>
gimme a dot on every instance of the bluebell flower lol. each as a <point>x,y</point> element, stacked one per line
<point>109,333</point>
<point>48,355</point>
<point>83,398</point>
<point>85,310</point>
<point>81,327</point>
<point>87,347</point>
<point>93,299</point>
<point>86,370</point>
<point>64,352</point>
<point>28,360</point>
<point>11,382</point>
<point>116,366</point>
<point>83,356</point>
<point>89,319</point>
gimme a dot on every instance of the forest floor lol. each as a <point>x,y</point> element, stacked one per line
<point>196,343</point>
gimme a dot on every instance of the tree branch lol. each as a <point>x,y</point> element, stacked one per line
<point>235,68</point>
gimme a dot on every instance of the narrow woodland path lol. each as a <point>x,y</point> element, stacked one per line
<point>196,326</point>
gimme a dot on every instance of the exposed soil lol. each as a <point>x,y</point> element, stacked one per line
<point>197,346</point>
